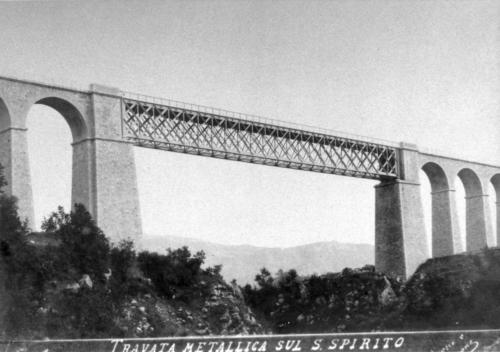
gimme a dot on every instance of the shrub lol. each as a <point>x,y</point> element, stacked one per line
<point>85,313</point>
<point>123,260</point>
<point>177,269</point>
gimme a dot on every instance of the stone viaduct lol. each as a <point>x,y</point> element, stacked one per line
<point>399,216</point>
<point>106,124</point>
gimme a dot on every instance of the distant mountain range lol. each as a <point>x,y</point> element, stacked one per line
<point>243,262</point>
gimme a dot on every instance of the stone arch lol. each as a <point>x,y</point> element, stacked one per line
<point>495,181</point>
<point>445,229</point>
<point>99,153</point>
<point>70,113</point>
<point>471,182</point>
<point>476,216</point>
<point>437,176</point>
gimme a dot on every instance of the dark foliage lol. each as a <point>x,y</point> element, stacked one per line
<point>78,285</point>
<point>84,249</point>
<point>454,292</point>
<point>70,282</point>
<point>123,262</point>
<point>32,274</point>
<point>334,302</point>
<point>21,269</point>
<point>84,313</point>
<point>172,271</point>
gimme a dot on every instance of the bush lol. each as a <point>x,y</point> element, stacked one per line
<point>326,303</point>
<point>278,299</point>
<point>122,281</point>
<point>81,314</point>
<point>177,269</point>
<point>123,257</point>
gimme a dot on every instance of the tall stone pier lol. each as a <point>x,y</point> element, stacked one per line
<point>104,174</point>
<point>400,240</point>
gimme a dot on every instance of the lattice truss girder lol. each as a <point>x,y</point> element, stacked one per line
<point>194,132</point>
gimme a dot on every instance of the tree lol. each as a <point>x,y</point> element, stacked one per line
<point>264,279</point>
<point>17,263</point>
<point>12,230</point>
<point>84,248</point>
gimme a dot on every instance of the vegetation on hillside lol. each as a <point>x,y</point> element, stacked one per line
<point>69,281</point>
<point>353,300</point>
<point>453,292</point>
<point>77,284</point>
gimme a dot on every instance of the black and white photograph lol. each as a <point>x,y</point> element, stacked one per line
<point>249,175</point>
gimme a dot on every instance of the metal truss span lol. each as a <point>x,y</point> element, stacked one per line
<point>214,134</point>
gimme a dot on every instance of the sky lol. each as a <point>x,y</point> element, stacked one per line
<point>424,72</point>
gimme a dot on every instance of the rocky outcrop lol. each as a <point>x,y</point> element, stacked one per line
<point>220,312</point>
<point>355,299</point>
<point>454,291</point>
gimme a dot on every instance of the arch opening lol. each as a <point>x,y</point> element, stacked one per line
<point>460,199</point>
<point>475,210</point>
<point>70,113</point>
<point>495,182</point>
<point>443,227</point>
<point>50,158</point>
<point>425,194</point>
<point>436,176</point>
<point>471,182</point>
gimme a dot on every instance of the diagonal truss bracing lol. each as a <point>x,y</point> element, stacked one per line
<point>199,132</point>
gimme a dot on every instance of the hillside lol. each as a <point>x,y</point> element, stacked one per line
<point>243,262</point>
<point>147,294</point>
<point>459,290</point>
<point>453,292</point>
<point>69,282</point>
